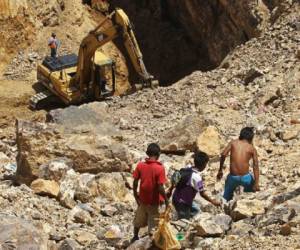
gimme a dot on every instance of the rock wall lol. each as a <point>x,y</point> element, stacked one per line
<point>86,151</point>
<point>10,8</point>
<point>20,21</point>
<point>178,37</point>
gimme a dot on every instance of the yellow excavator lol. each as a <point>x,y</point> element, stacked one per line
<point>77,79</point>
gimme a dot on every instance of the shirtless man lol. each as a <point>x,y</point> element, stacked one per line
<point>241,152</point>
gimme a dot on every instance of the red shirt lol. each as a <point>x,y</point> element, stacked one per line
<point>151,174</point>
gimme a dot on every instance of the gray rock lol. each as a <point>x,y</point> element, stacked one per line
<point>69,244</point>
<point>240,228</point>
<point>246,208</point>
<point>56,169</point>
<point>89,152</point>
<point>183,136</point>
<point>208,243</point>
<point>78,215</point>
<point>109,210</point>
<point>208,225</point>
<point>16,233</point>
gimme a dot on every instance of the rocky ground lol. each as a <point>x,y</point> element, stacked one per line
<point>66,174</point>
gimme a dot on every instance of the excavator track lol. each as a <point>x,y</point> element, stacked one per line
<point>39,100</point>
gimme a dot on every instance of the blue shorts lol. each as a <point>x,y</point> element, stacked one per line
<point>233,181</point>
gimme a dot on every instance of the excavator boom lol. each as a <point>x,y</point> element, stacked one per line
<point>114,25</point>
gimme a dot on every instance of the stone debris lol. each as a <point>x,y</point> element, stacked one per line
<point>183,134</point>
<point>45,187</point>
<point>86,153</point>
<point>17,233</point>
<point>210,141</point>
<point>208,225</point>
<point>247,209</point>
<point>80,161</point>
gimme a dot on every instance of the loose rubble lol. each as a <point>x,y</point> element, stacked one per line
<point>66,183</point>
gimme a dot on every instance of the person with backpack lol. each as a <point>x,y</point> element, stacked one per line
<point>187,183</point>
<point>150,174</point>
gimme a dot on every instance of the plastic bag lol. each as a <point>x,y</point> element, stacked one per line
<point>164,236</point>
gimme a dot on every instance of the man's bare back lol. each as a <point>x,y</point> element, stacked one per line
<point>241,152</point>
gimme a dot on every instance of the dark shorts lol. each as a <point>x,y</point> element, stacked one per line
<point>185,211</point>
<point>233,181</point>
<point>53,52</point>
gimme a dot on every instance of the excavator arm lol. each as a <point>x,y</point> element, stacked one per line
<point>114,25</point>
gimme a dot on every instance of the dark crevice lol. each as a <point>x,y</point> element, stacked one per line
<point>178,37</point>
<point>89,2</point>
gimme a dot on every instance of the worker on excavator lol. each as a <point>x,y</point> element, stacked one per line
<point>53,44</point>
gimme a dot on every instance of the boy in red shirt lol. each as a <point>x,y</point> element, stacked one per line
<point>151,175</point>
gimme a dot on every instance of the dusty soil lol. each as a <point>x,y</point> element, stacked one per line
<point>14,96</point>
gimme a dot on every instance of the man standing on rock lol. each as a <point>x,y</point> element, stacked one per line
<point>151,175</point>
<point>53,44</point>
<point>241,152</point>
<point>187,183</point>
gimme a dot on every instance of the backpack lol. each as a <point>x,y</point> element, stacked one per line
<point>180,178</point>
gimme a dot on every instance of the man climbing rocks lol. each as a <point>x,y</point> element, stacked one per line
<point>151,175</point>
<point>241,152</point>
<point>53,44</point>
<point>187,183</point>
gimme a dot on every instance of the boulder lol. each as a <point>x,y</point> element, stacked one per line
<point>56,169</point>
<point>291,133</point>
<point>41,144</point>
<point>90,117</point>
<point>17,233</point>
<point>67,189</point>
<point>208,225</point>
<point>112,187</point>
<point>84,238</point>
<point>45,187</point>
<point>109,210</point>
<point>183,135</point>
<point>113,234</point>
<point>66,199</point>
<point>86,187</point>
<point>69,244</point>
<point>206,243</point>
<point>246,208</point>
<point>141,244</point>
<point>223,220</point>
<point>241,228</point>
<point>210,141</point>
<point>95,154</point>
<point>78,215</point>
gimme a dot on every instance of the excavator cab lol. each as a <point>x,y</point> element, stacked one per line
<point>103,77</point>
<point>55,74</point>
